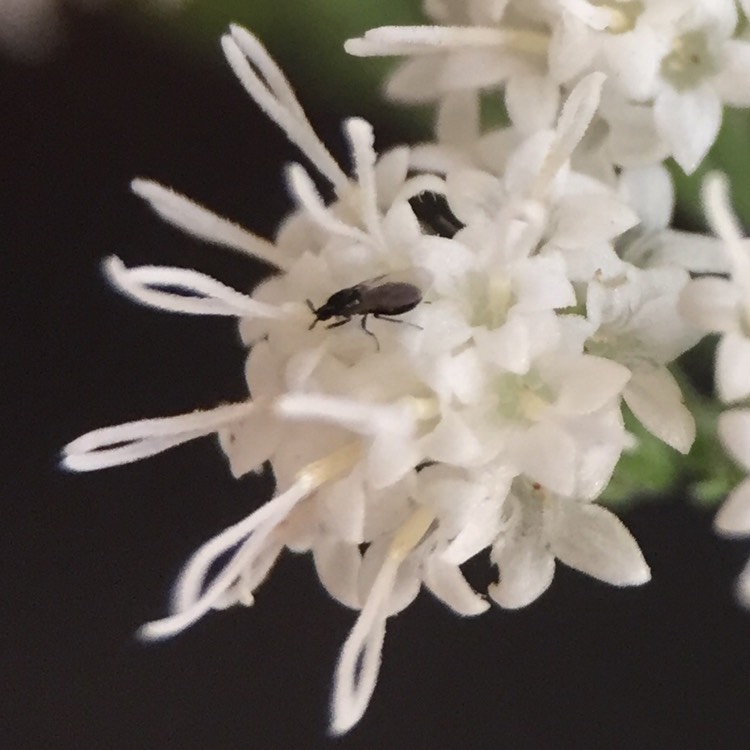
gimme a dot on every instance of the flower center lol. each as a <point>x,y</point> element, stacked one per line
<point>493,297</point>
<point>691,59</point>
<point>522,398</point>
<point>624,15</point>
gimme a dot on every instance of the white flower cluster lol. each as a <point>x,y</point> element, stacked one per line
<point>670,65</point>
<point>495,297</point>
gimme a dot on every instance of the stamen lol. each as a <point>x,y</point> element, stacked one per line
<point>198,221</point>
<point>333,465</point>
<point>411,533</point>
<point>211,297</point>
<point>424,40</point>
<point>359,662</point>
<point>190,601</point>
<point>146,437</point>
<point>275,97</point>
<point>362,140</point>
<point>361,416</point>
<point>576,115</point>
<point>721,218</point>
<point>189,607</point>
<point>304,189</point>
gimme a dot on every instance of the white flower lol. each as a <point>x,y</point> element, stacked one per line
<point>635,321</point>
<point>678,54</point>
<point>457,57</point>
<point>542,527</point>
<point>671,66</point>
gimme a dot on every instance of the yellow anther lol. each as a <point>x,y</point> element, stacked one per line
<point>532,404</point>
<point>331,466</point>
<point>410,534</point>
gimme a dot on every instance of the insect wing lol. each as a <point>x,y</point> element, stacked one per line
<point>417,277</point>
<point>390,298</point>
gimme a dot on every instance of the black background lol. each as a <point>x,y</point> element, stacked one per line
<point>86,559</point>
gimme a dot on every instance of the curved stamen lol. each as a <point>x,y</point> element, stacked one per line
<point>190,217</point>
<point>304,189</point>
<point>275,97</point>
<point>190,600</point>
<point>205,296</point>
<point>359,662</point>
<point>132,441</point>
<point>362,140</point>
<point>425,40</point>
<point>576,116</point>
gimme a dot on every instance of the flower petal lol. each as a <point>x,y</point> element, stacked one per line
<point>711,304</point>
<point>589,383</point>
<point>733,518</point>
<point>656,400</point>
<point>547,454</point>
<point>449,585</point>
<point>590,539</point>
<point>337,564</point>
<point>526,565</point>
<point>689,121</point>
<point>732,82</point>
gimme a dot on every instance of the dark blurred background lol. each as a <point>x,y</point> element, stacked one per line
<point>86,559</point>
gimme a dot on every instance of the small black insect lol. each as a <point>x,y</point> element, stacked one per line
<point>379,297</point>
<point>434,214</point>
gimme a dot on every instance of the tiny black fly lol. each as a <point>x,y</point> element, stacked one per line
<point>380,297</point>
<point>434,214</point>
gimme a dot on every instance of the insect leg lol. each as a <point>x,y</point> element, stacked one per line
<point>368,331</point>
<point>338,323</point>
<point>396,320</point>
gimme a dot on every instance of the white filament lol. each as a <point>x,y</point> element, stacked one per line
<point>190,602</point>
<point>576,116</point>
<point>362,140</point>
<point>724,223</point>
<point>198,221</point>
<point>304,190</point>
<point>205,296</point>
<point>132,441</point>
<point>353,686</point>
<point>422,40</point>
<point>275,97</point>
<point>359,661</point>
<point>355,414</point>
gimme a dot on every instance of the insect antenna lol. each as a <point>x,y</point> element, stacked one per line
<point>314,312</point>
